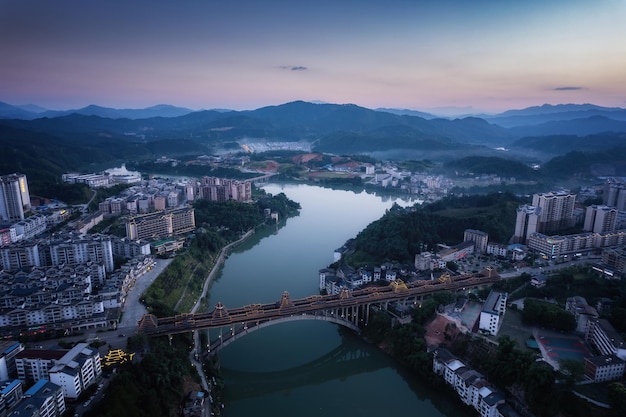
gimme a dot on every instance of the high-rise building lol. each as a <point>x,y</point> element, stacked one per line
<point>525,223</point>
<point>557,211</point>
<point>14,198</point>
<point>600,219</point>
<point>479,238</point>
<point>614,194</point>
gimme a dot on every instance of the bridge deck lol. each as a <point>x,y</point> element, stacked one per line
<point>220,317</point>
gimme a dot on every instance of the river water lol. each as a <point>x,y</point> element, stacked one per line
<point>310,368</point>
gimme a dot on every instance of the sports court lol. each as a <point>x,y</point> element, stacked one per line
<point>555,347</point>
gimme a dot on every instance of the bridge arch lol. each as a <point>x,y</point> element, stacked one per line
<point>235,332</point>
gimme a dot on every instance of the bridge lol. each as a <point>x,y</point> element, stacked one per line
<point>350,309</point>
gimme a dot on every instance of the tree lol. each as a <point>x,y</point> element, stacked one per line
<point>617,396</point>
<point>572,371</point>
<point>540,392</point>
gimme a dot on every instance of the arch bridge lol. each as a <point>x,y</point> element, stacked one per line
<point>348,308</point>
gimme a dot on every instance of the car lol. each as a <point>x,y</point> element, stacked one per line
<point>121,335</point>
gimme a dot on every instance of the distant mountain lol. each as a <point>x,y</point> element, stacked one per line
<point>334,128</point>
<point>406,112</point>
<point>606,162</point>
<point>33,108</point>
<point>8,111</point>
<point>579,127</point>
<point>562,144</point>
<point>551,113</point>
<point>31,112</point>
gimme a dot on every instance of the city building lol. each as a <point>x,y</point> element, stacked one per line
<point>614,194</point>
<point>9,350</point>
<point>555,247</point>
<point>582,312</point>
<point>600,219</point>
<point>14,198</point>
<point>92,180</point>
<point>601,334</point>
<point>224,189</point>
<point>604,368</point>
<point>52,298</point>
<point>76,370</point>
<point>44,399</point>
<point>615,259</point>
<point>492,312</point>
<point>30,227</point>
<point>59,249</point>
<point>471,387</point>
<point>161,224</point>
<point>11,393</point>
<point>480,239</point>
<point>34,364</point>
<point>525,223</point>
<point>557,211</point>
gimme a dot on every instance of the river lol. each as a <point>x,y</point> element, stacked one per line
<point>310,368</point>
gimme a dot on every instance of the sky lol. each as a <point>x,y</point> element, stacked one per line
<point>443,55</point>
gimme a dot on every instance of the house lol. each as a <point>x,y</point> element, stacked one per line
<point>538,281</point>
<point>470,386</point>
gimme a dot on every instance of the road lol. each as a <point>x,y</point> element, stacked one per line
<point>549,268</point>
<point>133,309</point>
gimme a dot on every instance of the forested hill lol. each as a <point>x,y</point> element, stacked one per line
<point>402,233</point>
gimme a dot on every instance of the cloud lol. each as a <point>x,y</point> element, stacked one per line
<point>293,67</point>
<point>567,88</point>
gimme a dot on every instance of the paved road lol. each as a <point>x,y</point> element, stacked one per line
<point>133,309</point>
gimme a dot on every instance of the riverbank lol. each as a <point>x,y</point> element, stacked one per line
<point>216,267</point>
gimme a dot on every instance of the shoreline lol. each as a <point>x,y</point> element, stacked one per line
<point>196,353</point>
<point>216,266</point>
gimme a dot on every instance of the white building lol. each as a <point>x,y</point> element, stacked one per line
<point>469,385</point>
<point>604,368</point>
<point>606,340</point>
<point>492,312</point>
<point>44,399</point>
<point>76,370</point>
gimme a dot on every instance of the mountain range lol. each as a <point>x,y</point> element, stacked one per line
<point>94,135</point>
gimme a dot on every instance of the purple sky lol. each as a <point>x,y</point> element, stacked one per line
<point>487,55</point>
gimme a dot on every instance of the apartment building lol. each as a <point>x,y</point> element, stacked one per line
<point>161,224</point>
<point>76,370</point>
<point>61,249</point>
<point>525,222</point>
<point>600,219</point>
<point>14,198</point>
<point>480,239</point>
<point>44,399</point>
<point>601,334</point>
<point>471,386</point>
<point>34,364</point>
<point>557,211</point>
